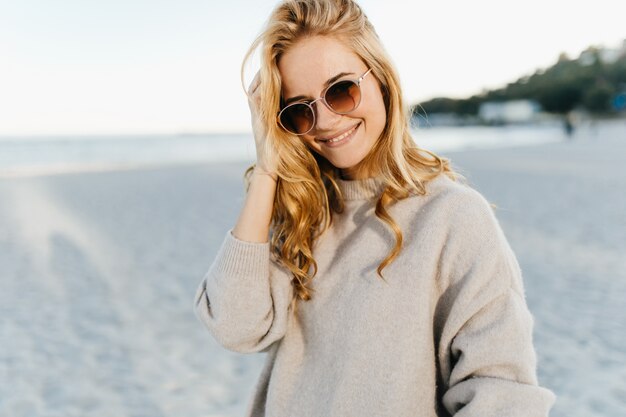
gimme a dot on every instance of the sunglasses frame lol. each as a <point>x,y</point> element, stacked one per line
<point>322,98</point>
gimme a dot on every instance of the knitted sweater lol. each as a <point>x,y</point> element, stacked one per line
<point>448,334</point>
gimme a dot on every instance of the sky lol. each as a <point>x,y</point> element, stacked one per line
<point>166,67</point>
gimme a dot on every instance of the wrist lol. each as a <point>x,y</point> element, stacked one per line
<point>261,171</point>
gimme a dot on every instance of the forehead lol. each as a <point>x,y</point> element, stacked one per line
<point>308,64</point>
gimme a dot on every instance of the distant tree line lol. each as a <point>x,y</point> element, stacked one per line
<point>588,82</point>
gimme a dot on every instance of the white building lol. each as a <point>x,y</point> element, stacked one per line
<point>513,111</point>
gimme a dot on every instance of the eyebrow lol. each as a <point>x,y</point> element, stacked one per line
<point>326,84</point>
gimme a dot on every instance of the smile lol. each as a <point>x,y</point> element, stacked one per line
<point>340,139</point>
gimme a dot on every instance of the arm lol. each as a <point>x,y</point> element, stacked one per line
<point>241,300</point>
<point>485,350</point>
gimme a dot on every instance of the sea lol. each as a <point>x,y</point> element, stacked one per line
<point>48,155</point>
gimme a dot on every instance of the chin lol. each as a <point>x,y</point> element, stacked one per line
<point>345,164</point>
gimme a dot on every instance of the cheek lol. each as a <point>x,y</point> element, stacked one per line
<point>377,115</point>
<point>376,106</point>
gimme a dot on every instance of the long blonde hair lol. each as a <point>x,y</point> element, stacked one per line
<point>307,193</point>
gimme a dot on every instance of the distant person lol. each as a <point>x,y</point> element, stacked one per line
<point>568,125</point>
<point>376,281</point>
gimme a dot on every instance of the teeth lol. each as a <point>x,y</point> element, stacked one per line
<point>342,136</point>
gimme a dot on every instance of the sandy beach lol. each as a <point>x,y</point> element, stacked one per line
<point>99,270</point>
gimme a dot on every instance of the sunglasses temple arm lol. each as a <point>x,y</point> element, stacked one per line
<point>364,75</point>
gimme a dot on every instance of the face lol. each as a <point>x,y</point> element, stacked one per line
<point>306,70</point>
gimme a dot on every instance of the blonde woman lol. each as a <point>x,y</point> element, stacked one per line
<point>376,280</point>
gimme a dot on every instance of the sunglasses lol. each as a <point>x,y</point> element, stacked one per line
<point>341,97</point>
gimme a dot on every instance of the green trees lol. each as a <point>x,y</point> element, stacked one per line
<point>590,82</point>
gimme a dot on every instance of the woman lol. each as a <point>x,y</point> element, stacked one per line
<point>377,283</point>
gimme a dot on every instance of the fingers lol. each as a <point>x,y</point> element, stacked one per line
<point>254,102</point>
<point>254,85</point>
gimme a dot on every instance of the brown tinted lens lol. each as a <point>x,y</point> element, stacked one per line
<point>344,96</point>
<point>297,118</point>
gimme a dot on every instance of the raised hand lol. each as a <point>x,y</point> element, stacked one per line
<point>266,159</point>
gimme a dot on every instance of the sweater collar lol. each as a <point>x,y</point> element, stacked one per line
<point>362,189</point>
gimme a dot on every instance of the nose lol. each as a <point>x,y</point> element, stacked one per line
<point>325,119</point>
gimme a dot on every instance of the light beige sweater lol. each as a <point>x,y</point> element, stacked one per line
<point>448,334</point>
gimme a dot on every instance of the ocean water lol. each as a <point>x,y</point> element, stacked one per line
<point>43,155</point>
<point>31,156</point>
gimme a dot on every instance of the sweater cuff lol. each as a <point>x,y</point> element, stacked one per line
<point>241,258</point>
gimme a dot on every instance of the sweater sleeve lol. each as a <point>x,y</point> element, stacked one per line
<point>485,351</point>
<point>244,299</point>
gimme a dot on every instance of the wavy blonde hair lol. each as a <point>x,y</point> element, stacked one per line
<point>307,193</point>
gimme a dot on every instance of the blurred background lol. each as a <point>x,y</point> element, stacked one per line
<point>124,134</point>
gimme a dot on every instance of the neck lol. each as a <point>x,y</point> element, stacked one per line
<point>355,173</point>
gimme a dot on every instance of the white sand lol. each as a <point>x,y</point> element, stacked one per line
<point>98,272</point>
